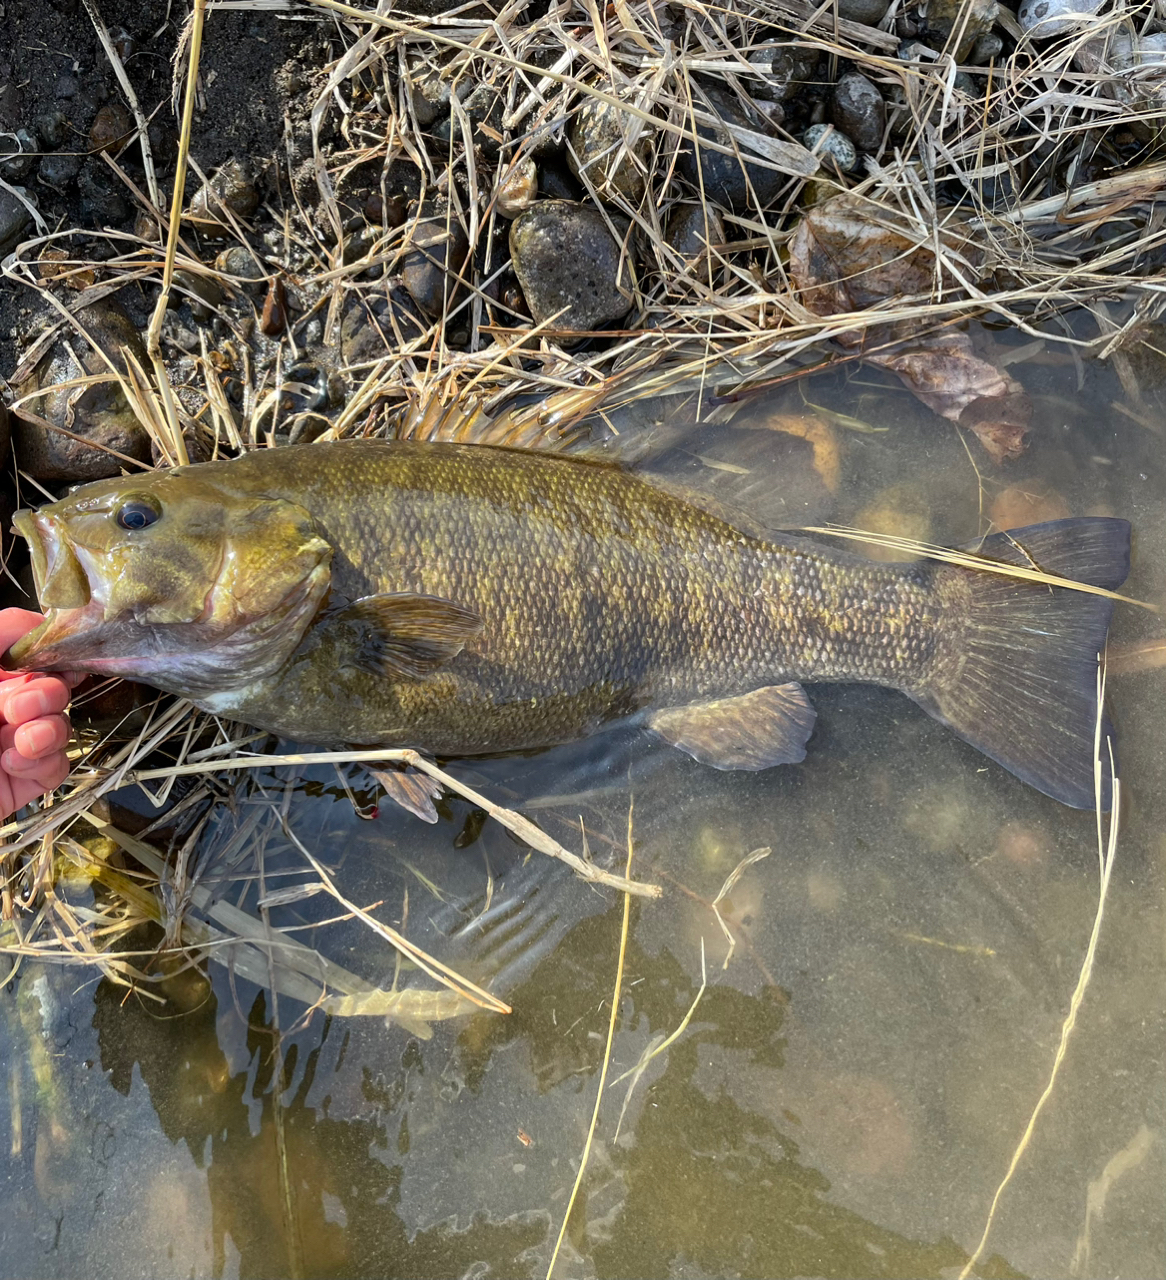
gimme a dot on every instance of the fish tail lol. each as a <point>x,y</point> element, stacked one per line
<point>1016,674</point>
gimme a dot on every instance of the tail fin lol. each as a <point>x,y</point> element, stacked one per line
<point>1020,678</point>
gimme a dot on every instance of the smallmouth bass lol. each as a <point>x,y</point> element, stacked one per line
<point>463,600</point>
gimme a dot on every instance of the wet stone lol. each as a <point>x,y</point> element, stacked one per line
<point>436,257</point>
<point>724,178</point>
<point>14,220</point>
<point>565,257</point>
<point>599,136</point>
<point>100,413</point>
<point>858,111</point>
<point>832,147</point>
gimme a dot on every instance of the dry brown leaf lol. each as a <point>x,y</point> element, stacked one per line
<point>820,436</point>
<point>845,256</point>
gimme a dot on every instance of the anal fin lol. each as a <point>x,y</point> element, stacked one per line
<point>754,730</point>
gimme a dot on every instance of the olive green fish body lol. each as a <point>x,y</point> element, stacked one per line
<point>600,595</point>
<point>461,599</point>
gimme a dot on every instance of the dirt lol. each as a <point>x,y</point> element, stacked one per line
<point>257,72</point>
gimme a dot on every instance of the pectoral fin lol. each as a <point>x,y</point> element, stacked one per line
<point>411,790</point>
<point>406,634</point>
<point>752,731</point>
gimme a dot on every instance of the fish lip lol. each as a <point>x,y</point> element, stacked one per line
<point>26,525</point>
<point>56,571</point>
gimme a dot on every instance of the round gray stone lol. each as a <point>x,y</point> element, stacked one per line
<point>565,257</point>
<point>858,110</point>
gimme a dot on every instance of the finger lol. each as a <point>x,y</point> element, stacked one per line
<point>49,774</point>
<point>38,738</point>
<point>36,697</point>
<point>14,623</point>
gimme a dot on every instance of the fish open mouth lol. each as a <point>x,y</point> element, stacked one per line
<point>62,588</point>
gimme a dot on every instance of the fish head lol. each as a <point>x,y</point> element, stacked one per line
<point>176,578</point>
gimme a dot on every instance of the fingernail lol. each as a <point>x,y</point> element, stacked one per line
<point>38,738</point>
<point>29,705</point>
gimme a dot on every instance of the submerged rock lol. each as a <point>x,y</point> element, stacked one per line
<point>566,257</point>
<point>859,111</point>
<point>99,414</point>
<point>610,148</point>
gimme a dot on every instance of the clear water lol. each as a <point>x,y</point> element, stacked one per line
<point>849,1090</point>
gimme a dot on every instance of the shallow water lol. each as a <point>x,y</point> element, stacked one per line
<point>849,1090</point>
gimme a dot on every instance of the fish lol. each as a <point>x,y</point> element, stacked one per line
<point>466,600</point>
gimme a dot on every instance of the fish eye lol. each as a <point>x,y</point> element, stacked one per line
<point>137,513</point>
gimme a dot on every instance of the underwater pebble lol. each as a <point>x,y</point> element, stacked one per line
<point>1045,18</point>
<point>101,193</point>
<point>858,111</point>
<point>100,413</point>
<point>1031,503</point>
<point>436,256</point>
<point>518,189</point>
<point>564,256</point>
<point>832,146</point>
<point>616,171</point>
<point>1021,844</point>
<point>900,511</point>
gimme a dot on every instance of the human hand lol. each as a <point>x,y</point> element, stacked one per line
<point>33,728</point>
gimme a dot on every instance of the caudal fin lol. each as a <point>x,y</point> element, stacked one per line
<point>1018,678</point>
